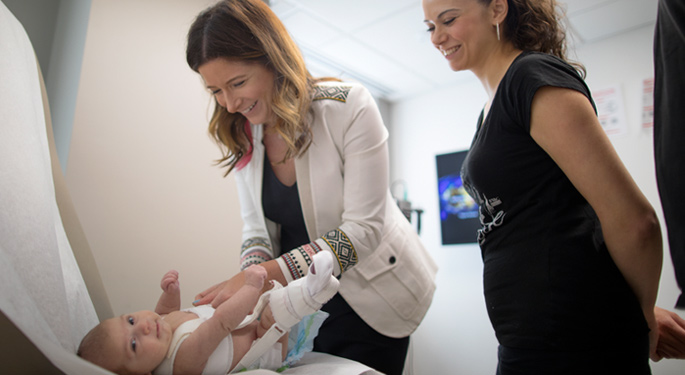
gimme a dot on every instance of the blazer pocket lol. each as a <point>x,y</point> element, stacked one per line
<point>392,274</point>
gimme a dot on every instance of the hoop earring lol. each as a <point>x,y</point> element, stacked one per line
<point>498,31</point>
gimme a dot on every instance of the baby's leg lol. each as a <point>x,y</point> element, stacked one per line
<point>288,305</point>
<point>266,320</point>
<point>284,346</point>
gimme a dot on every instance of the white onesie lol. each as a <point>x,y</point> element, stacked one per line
<point>220,360</point>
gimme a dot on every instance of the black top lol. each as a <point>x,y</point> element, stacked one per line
<point>549,280</point>
<point>282,205</point>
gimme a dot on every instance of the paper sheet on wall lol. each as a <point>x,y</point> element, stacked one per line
<point>610,110</point>
<point>41,289</point>
<point>648,103</point>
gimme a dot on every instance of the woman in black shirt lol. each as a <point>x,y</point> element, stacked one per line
<point>571,247</point>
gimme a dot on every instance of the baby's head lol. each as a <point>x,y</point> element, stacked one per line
<point>129,344</point>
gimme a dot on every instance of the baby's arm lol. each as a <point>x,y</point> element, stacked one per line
<point>170,300</point>
<point>194,352</point>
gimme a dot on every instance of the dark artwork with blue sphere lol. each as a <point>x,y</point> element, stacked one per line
<point>459,220</point>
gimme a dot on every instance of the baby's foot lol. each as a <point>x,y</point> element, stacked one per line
<point>320,272</point>
<point>306,295</point>
<point>255,275</point>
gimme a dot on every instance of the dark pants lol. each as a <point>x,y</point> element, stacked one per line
<point>669,127</point>
<point>346,335</point>
<point>584,362</point>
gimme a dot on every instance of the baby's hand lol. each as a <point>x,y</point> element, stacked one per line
<point>170,281</point>
<point>255,276</point>
<point>170,300</point>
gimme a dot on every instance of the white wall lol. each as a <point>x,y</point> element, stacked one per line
<point>140,166</point>
<point>456,336</point>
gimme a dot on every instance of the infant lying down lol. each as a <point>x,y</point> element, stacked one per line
<point>204,340</point>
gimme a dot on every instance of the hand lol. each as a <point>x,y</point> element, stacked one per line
<point>671,335</point>
<point>170,300</point>
<point>170,282</point>
<point>218,293</point>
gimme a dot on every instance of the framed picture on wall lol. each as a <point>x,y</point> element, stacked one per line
<point>459,220</point>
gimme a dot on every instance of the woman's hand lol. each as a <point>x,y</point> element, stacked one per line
<point>671,335</point>
<point>218,293</point>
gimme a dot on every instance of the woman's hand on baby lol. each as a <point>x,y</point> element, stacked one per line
<point>218,293</point>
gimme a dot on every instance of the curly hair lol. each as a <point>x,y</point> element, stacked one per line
<point>537,25</point>
<point>248,30</point>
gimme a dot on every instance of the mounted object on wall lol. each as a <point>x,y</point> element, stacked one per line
<point>459,221</point>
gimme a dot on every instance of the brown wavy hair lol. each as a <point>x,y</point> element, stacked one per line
<point>248,30</point>
<point>537,25</point>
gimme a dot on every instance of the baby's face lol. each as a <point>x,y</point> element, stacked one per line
<point>138,342</point>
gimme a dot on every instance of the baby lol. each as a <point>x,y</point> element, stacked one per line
<point>202,339</point>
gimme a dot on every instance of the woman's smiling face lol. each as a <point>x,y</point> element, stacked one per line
<point>241,86</point>
<point>460,29</point>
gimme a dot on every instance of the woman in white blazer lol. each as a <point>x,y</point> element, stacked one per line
<point>311,163</point>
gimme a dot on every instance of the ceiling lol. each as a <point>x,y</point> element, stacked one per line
<point>384,43</point>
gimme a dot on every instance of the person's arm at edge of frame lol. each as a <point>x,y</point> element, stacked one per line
<point>564,124</point>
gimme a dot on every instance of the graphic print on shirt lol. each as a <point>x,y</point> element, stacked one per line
<point>488,210</point>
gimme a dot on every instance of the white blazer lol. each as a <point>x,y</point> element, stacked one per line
<point>386,275</point>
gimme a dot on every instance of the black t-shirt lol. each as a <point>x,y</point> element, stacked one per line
<point>549,280</point>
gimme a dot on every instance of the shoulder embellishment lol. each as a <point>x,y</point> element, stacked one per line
<point>338,93</point>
